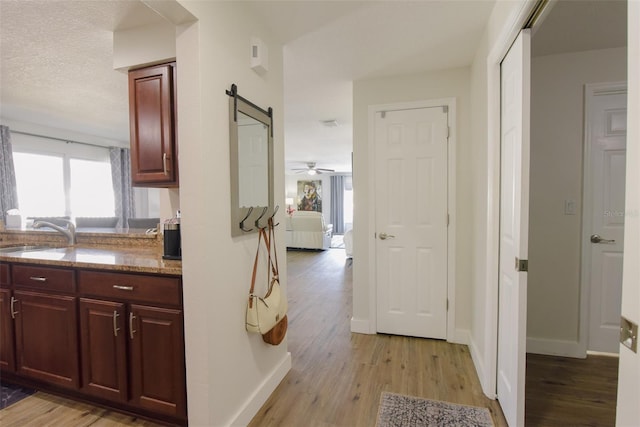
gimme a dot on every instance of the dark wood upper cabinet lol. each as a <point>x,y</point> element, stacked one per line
<point>152,121</point>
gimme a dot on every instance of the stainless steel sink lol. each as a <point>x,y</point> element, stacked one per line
<point>24,248</point>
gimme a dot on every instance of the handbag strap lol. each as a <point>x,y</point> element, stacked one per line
<point>272,242</point>
<point>255,263</point>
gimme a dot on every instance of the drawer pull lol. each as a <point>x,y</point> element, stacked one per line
<point>13,311</point>
<point>123,288</point>
<point>115,323</point>
<point>38,279</point>
<point>131,330</point>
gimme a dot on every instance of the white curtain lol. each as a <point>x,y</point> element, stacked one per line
<point>8,189</point>
<point>122,189</point>
<point>337,203</point>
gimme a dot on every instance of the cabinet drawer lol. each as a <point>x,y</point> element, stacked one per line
<point>4,274</point>
<point>131,287</point>
<point>53,279</point>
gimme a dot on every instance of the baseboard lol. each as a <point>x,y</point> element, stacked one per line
<point>361,326</point>
<point>262,393</point>
<point>551,347</point>
<point>478,362</point>
<point>602,353</point>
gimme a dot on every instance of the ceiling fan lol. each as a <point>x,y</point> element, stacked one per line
<point>311,169</point>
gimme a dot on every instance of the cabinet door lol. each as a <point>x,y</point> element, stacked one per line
<point>103,346</point>
<point>7,350</point>
<point>152,126</point>
<point>157,360</point>
<point>47,337</point>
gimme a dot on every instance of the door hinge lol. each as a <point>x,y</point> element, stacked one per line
<point>383,114</point>
<point>448,131</point>
<point>448,219</point>
<point>445,109</point>
<point>522,264</point>
<point>447,304</point>
<point>629,334</point>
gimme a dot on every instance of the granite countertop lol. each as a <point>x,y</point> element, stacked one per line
<point>118,252</point>
<point>141,260</point>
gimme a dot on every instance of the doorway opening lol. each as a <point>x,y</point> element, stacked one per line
<point>558,297</point>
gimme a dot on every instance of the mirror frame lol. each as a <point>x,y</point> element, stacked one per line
<point>246,219</point>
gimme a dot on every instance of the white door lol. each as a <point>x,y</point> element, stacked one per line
<point>606,139</point>
<point>514,225</point>
<point>628,409</point>
<point>411,221</point>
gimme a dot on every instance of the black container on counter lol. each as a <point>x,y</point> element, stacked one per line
<point>172,246</point>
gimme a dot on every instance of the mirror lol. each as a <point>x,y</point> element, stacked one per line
<point>253,162</point>
<point>251,156</point>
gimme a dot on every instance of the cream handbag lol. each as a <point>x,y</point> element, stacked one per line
<point>263,313</point>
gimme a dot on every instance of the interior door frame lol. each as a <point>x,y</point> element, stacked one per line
<point>590,91</point>
<point>452,334</point>
<point>489,364</point>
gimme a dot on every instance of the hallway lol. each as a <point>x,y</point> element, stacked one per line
<point>337,377</point>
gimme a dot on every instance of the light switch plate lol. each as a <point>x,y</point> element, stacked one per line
<point>569,207</point>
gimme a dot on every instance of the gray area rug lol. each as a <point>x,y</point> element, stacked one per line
<point>397,410</point>
<point>11,394</point>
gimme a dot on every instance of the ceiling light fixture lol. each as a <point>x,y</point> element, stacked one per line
<point>312,171</point>
<point>333,123</point>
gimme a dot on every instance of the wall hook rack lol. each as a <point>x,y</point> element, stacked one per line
<point>264,211</point>
<point>244,219</point>
<point>275,211</point>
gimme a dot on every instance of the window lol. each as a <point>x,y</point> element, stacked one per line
<point>91,188</point>
<point>40,183</point>
<point>55,178</point>
<point>348,203</point>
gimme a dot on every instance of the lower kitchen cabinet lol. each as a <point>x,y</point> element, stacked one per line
<point>110,337</point>
<point>103,338</point>
<point>153,366</point>
<point>157,359</point>
<point>7,350</point>
<point>132,340</point>
<point>46,338</point>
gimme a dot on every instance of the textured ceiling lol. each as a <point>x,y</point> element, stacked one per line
<point>57,69</point>
<point>57,63</point>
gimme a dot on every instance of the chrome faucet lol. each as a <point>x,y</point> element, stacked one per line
<point>69,232</point>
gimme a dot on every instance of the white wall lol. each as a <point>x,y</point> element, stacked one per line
<point>557,134</point>
<point>433,85</point>
<point>230,372</point>
<point>140,46</point>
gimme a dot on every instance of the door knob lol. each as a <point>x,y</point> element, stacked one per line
<point>385,236</point>
<point>595,238</point>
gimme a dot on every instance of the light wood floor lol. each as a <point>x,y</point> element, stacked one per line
<point>563,391</point>
<point>337,377</point>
